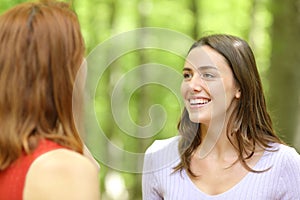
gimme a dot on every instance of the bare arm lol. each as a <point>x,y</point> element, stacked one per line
<point>89,155</point>
<point>62,174</point>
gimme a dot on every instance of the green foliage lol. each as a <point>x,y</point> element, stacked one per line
<point>102,19</point>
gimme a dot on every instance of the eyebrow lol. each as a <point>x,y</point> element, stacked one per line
<point>200,68</point>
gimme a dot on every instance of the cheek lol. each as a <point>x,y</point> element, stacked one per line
<point>183,89</point>
<point>216,89</point>
<point>230,92</point>
<point>222,89</point>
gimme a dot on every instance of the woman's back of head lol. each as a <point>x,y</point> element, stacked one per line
<point>41,51</point>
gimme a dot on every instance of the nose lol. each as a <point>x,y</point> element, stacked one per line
<point>196,84</point>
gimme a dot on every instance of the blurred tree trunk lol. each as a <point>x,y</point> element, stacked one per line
<point>194,8</point>
<point>110,129</point>
<point>143,99</point>
<point>284,74</point>
<point>253,25</point>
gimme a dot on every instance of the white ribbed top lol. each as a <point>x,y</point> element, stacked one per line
<point>281,182</point>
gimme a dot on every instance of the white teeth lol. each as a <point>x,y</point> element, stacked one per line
<point>198,101</point>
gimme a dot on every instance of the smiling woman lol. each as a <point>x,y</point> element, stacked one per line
<point>227,148</point>
<point>206,84</point>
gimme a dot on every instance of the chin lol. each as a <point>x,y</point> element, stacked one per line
<point>198,119</point>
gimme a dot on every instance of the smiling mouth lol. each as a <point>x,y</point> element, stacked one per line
<point>199,102</point>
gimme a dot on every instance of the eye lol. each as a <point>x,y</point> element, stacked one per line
<point>208,75</point>
<point>187,75</point>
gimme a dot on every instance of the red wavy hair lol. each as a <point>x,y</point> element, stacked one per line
<point>41,51</point>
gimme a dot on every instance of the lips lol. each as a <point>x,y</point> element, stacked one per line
<point>199,101</point>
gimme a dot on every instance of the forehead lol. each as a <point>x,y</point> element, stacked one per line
<point>205,56</point>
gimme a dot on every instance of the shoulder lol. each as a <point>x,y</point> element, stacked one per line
<point>162,154</point>
<point>290,157</point>
<point>287,149</point>
<point>289,161</point>
<point>285,160</point>
<point>160,145</point>
<point>288,153</point>
<point>61,168</point>
<point>62,159</point>
<point>282,154</point>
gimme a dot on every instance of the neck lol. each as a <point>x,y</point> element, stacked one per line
<point>214,135</point>
<point>215,141</point>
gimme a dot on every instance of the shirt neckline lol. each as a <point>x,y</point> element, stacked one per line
<point>233,188</point>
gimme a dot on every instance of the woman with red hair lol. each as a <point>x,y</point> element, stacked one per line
<point>41,152</point>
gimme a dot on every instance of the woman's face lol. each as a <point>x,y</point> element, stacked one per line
<point>208,88</point>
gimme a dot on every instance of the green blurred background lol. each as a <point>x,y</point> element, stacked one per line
<point>272,28</point>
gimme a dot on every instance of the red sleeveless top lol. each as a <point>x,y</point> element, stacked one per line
<point>12,179</point>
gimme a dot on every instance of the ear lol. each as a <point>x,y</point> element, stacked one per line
<point>238,93</point>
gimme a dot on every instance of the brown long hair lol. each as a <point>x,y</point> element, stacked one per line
<point>250,123</point>
<point>41,50</point>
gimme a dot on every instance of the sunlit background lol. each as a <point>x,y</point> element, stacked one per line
<point>271,27</point>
